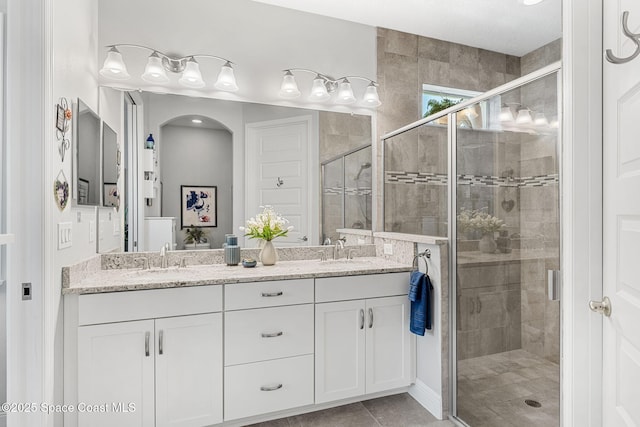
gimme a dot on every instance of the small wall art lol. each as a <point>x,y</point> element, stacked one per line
<point>198,206</point>
<point>61,191</point>
<point>63,122</point>
<point>111,196</point>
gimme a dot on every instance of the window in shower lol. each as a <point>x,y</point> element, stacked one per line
<point>346,192</point>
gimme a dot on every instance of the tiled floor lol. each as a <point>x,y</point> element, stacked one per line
<point>399,410</point>
<point>492,390</point>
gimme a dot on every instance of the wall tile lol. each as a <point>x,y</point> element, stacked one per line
<point>438,50</point>
<point>401,43</point>
<point>463,56</point>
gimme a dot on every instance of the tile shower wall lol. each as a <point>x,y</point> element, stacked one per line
<point>341,133</point>
<point>405,63</point>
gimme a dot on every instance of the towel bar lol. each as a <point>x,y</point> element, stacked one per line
<point>426,254</point>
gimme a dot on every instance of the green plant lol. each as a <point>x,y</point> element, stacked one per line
<point>435,105</point>
<point>195,235</point>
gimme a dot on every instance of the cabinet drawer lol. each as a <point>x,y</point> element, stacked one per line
<point>148,304</point>
<point>268,333</point>
<point>361,287</point>
<point>258,388</point>
<point>268,294</point>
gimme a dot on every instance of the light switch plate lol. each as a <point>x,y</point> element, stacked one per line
<point>116,227</point>
<point>65,239</point>
<point>388,249</point>
<point>92,231</point>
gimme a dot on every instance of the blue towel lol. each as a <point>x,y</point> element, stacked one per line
<point>420,288</point>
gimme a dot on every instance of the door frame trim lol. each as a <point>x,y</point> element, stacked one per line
<point>581,375</point>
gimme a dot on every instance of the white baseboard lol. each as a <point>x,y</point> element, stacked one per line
<point>427,397</point>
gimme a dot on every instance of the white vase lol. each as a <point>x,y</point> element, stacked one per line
<point>487,244</point>
<point>268,254</point>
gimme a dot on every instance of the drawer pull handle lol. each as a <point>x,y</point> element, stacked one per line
<point>161,343</point>
<point>370,318</point>
<point>361,318</point>
<point>271,388</point>
<point>147,336</point>
<point>272,294</point>
<point>272,335</point>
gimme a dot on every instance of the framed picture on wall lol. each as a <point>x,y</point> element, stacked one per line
<point>198,206</point>
<point>110,195</point>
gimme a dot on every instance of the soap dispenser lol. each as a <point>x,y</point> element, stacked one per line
<point>150,142</point>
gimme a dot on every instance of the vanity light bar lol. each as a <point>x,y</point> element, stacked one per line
<point>159,63</point>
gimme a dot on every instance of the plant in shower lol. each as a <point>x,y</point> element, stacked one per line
<point>478,219</point>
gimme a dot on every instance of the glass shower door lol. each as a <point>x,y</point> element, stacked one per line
<point>507,207</point>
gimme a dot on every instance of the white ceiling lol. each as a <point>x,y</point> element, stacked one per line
<point>505,26</point>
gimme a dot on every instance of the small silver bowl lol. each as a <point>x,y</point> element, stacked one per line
<point>249,262</point>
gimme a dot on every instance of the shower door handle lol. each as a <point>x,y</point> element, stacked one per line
<point>553,285</point>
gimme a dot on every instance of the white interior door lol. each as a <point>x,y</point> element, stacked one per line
<point>280,169</point>
<point>621,269</point>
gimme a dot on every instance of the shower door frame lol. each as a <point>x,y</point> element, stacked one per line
<point>555,68</point>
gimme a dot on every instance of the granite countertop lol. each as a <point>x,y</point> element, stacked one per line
<point>116,280</point>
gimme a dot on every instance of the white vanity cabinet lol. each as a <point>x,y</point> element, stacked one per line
<point>363,344</point>
<point>268,347</point>
<point>165,370</point>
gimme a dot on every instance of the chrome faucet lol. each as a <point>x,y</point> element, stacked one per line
<point>164,260</point>
<point>339,245</point>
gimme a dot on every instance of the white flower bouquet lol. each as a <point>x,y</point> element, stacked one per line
<point>267,225</point>
<point>478,219</point>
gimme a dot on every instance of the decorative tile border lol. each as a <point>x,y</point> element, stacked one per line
<point>392,177</point>
<point>349,191</point>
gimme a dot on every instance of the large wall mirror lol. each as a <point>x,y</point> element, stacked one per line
<point>86,170</point>
<point>243,155</point>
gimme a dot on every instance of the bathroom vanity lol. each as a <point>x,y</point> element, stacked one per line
<point>211,344</point>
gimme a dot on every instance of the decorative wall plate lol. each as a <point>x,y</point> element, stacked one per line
<point>61,191</point>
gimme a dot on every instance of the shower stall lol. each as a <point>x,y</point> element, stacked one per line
<point>485,173</point>
<point>346,192</point>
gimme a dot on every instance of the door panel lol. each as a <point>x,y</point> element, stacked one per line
<point>189,370</point>
<point>113,367</point>
<point>388,362</point>
<point>340,350</point>
<point>621,226</point>
<point>278,167</point>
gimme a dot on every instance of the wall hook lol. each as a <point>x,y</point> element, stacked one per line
<point>279,182</point>
<point>632,36</point>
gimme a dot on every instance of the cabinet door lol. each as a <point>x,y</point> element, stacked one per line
<point>389,344</point>
<point>115,374</point>
<point>340,347</point>
<point>189,370</point>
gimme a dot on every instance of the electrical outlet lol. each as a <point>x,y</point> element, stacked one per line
<point>388,249</point>
<point>92,231</point>
<point>64,235</point>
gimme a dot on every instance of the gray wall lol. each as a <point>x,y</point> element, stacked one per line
<point>192,156</point>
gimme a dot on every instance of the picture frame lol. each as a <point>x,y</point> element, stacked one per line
<point>83,191</point>
<point>110,194</point>
<point>198,206</point>
<point>60,118</point>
